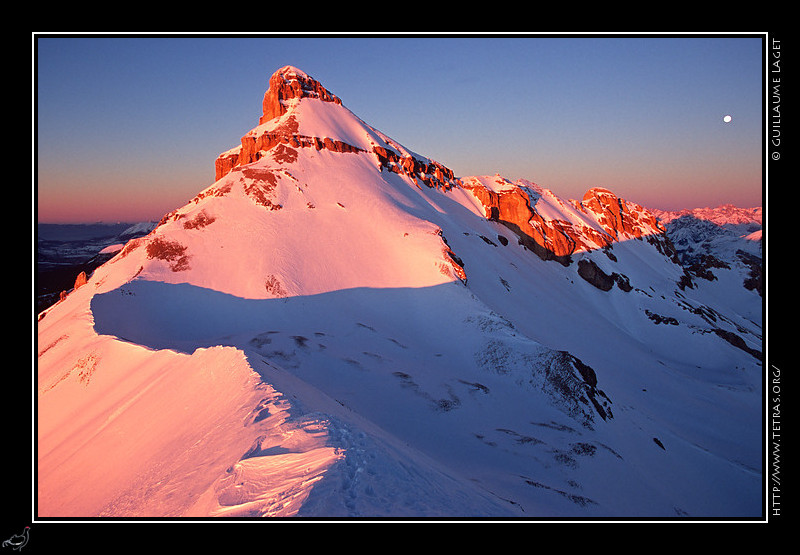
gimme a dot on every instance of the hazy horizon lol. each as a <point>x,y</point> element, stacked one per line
<point>133,222</point>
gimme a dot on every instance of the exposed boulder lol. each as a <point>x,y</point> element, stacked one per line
<point>592,273</point>
<point>170,251</point>
<point>80,280</point>
<point>575,383</point>
<point>623,282</point>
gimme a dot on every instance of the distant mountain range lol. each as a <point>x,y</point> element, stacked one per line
<point>63,251</point>
<point>723,215</point>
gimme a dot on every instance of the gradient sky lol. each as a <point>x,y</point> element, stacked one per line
<point>127,128</point>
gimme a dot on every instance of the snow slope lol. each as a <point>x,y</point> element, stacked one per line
<point>315,335</point>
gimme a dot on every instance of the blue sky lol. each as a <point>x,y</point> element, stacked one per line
<point>128,128</point>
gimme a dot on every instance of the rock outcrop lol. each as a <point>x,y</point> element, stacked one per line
<point>289,83</point>
<point>592,273</point>
<point>550,240</point>
<point>554,238</point>
<point>80,280</point>
<point>620,218</point>
<point>429,172</point>
<point>286,86</point>
<point>257,143</point>
<point>755,279</point>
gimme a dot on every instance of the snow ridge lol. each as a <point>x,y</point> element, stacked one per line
<point>341,328</point>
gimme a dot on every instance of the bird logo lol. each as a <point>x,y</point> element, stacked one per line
<point>18,541</point>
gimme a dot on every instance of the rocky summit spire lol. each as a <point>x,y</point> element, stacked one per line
<point>287,86</point>
<point>289,83</point>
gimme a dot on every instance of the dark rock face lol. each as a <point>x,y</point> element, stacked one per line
<point>623,282</point>
<point>576,384</point>
<point>590,272</point>
<point>738,342</point>
<point>703,264</point>
<point>755,280</point>
<point>659,319</point>
<point>453,261</point>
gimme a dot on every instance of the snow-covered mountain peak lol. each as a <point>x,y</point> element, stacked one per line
<point>338,326</point>
<point>299,112</point>
<point>598,192</point>
<point>290,72</point>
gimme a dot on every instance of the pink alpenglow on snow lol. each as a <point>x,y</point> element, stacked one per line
<point>341,327</point>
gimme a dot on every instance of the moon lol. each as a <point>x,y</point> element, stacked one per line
<point>727,119</point>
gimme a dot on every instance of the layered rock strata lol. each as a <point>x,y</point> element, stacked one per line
<point>557,239</point>
<point>255,145</point>
<point>429,172</point>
